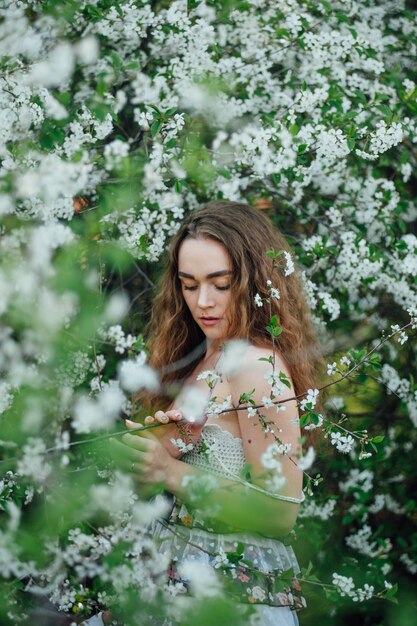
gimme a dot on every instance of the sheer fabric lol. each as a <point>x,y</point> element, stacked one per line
<point>185,537</point>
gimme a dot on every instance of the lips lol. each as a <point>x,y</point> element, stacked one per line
<point>210,321</point>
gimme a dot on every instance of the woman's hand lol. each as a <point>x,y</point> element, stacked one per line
<point>144,457</point>
<point>163,417</point>
<point>178,436</point>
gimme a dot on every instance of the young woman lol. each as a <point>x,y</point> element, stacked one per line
<point>234,471</point>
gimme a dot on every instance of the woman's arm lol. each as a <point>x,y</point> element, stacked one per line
<point>219,501</point>
<point>262,432</point>
<point>226,502</point>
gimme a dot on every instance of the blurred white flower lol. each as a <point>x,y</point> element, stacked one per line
<point>307,460</point>
<point>193,404</point>
<point>232,360</point>
<point>98,413</point>
<point>87,50</point>
<point>201,577</point>
<point>134,375</point>
<point>117,307</point>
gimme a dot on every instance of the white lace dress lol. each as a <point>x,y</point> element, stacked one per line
<point>184,537</point>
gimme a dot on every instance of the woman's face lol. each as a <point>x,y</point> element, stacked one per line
<point>205,272</point>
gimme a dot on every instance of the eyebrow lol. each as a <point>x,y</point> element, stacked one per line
<point>212,275</point>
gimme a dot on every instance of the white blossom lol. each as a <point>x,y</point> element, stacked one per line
<point>135,375</point>
<point>258,300</point>
<point>343,443</point>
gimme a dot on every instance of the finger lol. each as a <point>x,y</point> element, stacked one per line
<point>162,417</point>
<point>174,415</point>
<point>146,434</point>
<point>149,420</point>
<point>142,443</point>
<point>132,425</point>
<point>124,452</point>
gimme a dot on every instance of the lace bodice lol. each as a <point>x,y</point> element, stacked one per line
<point>221,453</point>
<point>217,451</point>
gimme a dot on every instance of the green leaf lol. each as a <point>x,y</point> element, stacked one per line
<point>285,380</point>
<point>155,108</point>
<point>351,143</point>
<point>155,128</point>
<point>171,143</point>
<point>245,397</point>
<point>385,110</point>
<point>378,439</point>
<point>273,322</point>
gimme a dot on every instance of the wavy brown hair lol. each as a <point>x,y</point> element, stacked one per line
<point>247,234</point>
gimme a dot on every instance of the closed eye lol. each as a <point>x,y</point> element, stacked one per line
<point>186,288</point>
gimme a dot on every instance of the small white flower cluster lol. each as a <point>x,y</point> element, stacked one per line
<point>277,386</point>
<point>210,377</point>
<point>289,264</point>
<point>270,462</point>
<point>6,396</point>
<point>358,481</point>
<point>382,139</point>
<point>33,463</point>
<point>412,311</point>
<point>221,560</point>
<point>310,401</point>
<point>401,337</point>
<point>345,361</point>
<point>75,372</point>
<point>323,512</point>
<point>329,304</point>
<point>410,565</point>
<point>274,293</point>
<point>181,445</point>
<point>346,587</point>
<point>116,335</point>
<point>215,407</point>
<point>402,388</point>
<point>114,152</point>
<point>343,443</point>
<point>270,402</point>
<point>257,593</point>
<point>258,300</point>
<point>331,368</point>
<point>360,542</point>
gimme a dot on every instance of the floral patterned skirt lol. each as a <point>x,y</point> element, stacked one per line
<point>254,569</point>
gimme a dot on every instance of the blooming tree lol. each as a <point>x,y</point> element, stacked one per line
<point>116,119</point>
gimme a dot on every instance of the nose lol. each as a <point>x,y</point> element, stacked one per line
<point>205,299</point>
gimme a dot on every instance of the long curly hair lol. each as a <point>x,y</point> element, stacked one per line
<point>176,342</point>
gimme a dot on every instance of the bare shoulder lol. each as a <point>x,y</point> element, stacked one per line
<point>258,365</point>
